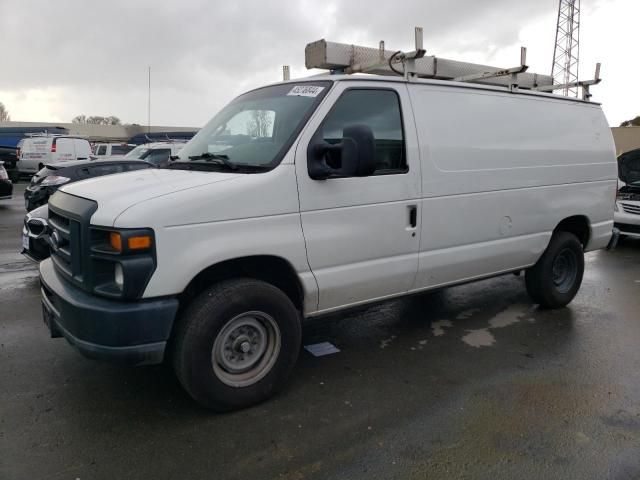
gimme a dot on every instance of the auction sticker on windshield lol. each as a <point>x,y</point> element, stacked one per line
<point>305,91</point>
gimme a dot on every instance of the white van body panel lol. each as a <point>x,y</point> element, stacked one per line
<point>203,218</point>
<point>500,172</point>
<point>115,194</point>
<point>82,149</point>
<point>65,150</point>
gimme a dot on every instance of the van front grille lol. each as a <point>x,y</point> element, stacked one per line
<point>69,220</point>
<point>65,245</point>
<point>630,208</point>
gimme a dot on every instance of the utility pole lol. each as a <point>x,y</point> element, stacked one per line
<point>149,104</point>
<point>566,53</point>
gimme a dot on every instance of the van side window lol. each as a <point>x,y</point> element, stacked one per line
<point>380,111</point>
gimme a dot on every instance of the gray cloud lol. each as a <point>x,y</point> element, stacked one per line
<point>203,53</point>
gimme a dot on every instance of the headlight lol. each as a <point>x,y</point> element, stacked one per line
<point>52,180</point>
<point>123,261</point>
<point>615,207</point>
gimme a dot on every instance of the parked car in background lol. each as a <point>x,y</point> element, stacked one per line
<point>35,234</point>
<point>38,150</point>
<point>627,211</point>
<point>158,153</point>
<point>6,186</point>
<point>46,181</point>
<point>106,150</point>
<point>9,155</point>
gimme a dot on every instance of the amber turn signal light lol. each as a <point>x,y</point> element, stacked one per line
<point>139,243</point>
<point>115,240</point>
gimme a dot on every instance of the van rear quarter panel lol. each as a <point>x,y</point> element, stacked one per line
<point>500,171</point>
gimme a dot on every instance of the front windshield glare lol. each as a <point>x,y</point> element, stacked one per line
<point>257,128</point>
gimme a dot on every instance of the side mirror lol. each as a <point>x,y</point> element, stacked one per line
<point>354,156</point>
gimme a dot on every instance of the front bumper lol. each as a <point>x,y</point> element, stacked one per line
<point>38,249</point>
<point>134,333</point>
<point>627,223</point>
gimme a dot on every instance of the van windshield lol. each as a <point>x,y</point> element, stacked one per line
<point>257,128</point>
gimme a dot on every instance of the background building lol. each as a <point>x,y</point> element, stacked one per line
<point>12,132</point>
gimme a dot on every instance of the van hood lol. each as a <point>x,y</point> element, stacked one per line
<point>629,168</point>
<point>118,192</point>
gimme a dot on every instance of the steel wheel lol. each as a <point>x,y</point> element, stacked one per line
<point>246,349</point>
<point>565,270</point>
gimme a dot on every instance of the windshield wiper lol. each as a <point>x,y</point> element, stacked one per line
<point>224,159</point>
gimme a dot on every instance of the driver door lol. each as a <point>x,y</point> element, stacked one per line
<point>362,233</point>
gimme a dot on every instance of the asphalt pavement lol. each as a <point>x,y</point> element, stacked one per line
<point>469,382</point>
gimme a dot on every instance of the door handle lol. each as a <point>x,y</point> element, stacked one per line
<point>413,216</point>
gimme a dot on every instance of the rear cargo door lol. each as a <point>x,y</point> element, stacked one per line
<point>64,149</point>
<point>82,149</point>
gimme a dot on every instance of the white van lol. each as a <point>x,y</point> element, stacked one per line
<point>38,150</point>
<point>317,195</point>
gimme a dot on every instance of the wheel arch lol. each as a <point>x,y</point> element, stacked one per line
<point>269,268</point>
<point>579,225</point>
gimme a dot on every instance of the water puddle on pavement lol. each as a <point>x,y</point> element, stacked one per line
<point>479,338</point>
<point>482,337</point>
<point>438,327</point>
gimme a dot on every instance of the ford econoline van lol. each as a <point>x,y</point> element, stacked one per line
<point>317,195</point>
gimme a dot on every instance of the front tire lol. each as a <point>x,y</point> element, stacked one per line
<point>236,344</point>
<point>556,278</point>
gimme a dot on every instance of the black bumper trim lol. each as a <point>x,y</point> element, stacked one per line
<point>147,354</point>
<point>131,332</point>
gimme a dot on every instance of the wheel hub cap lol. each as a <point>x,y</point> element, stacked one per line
<point>246,349</point>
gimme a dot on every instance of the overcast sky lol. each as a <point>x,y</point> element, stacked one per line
<point>69,57</point>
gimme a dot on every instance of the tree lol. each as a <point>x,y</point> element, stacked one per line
<point>261,121</point>
<point>634,122</point>
<point>96,120</point>
<point>4,113</point>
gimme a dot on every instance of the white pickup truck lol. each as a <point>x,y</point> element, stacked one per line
<point>317,195</point>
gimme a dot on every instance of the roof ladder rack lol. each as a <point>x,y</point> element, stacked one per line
<point>585,84</point>
<point>348,59</point>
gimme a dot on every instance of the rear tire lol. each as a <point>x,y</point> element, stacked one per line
<point>556,278</point>
<point>236,344</point>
